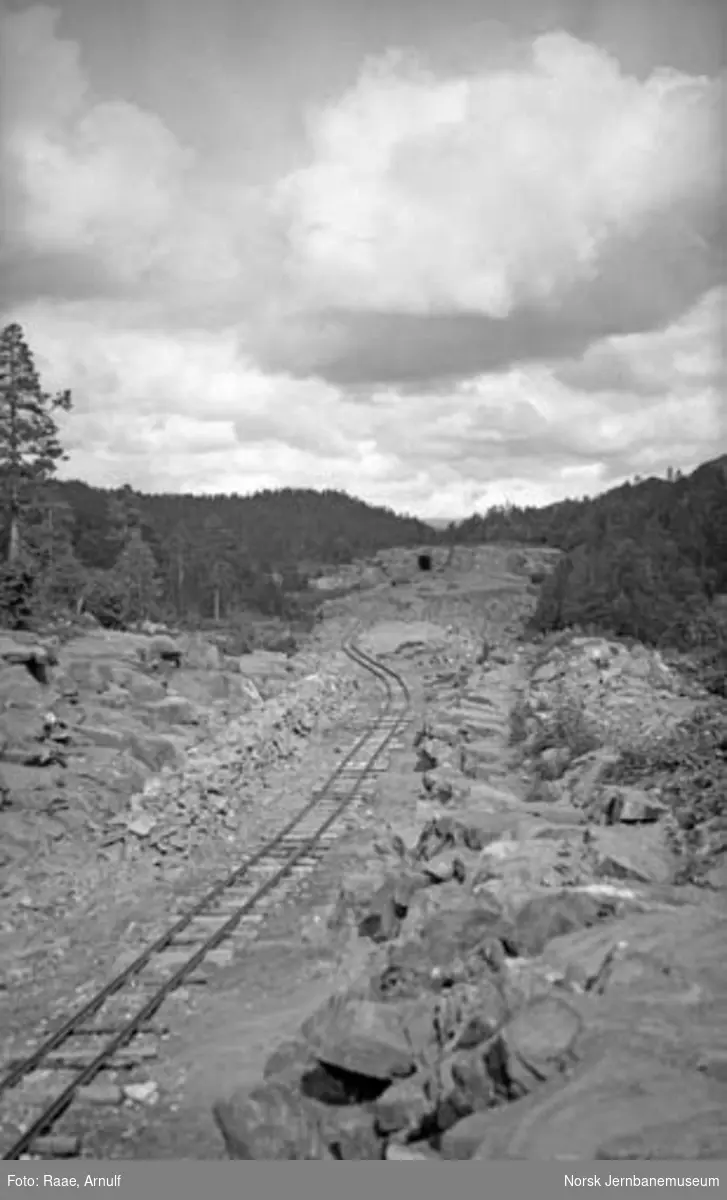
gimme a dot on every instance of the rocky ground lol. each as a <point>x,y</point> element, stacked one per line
<point>516,952</point>
<point>135,771</point>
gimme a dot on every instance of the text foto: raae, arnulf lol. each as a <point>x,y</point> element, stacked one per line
<point>64,1181</point>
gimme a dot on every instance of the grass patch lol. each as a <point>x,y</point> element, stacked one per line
<point>565,725</point>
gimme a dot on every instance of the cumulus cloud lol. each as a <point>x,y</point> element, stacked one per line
<point>188,413</point>
<point>494,286</point>
<point>199,415</point>
<point>683,357</point>
<point>100,197</point>
<point>485,193</point>
<point>96,179</point>
<point>526,435</point>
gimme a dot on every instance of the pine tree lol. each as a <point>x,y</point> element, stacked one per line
<point>124,514</point>
<point>220,553</point>
<point>30,447</point>
<point>48,536</point>
<point>137,577</point>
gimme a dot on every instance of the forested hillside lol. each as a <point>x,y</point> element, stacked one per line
<point>645,560</point>
<point>216,552</point>
<point>128,555</point>
<point>124,556</point>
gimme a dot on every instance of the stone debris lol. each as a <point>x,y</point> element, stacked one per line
<point>146,745</point>
<point>142,1093</point>
<point>545,1006</point>
<point>529,970</point>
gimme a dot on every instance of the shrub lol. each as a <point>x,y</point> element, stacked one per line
<point>17,595</point>
<point>567,724</point>
<point>105,600</point>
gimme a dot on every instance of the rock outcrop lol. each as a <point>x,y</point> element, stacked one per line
<point>540,984</point>
<point>121,745</point>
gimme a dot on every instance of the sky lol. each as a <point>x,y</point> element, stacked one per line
<point>440,256</point>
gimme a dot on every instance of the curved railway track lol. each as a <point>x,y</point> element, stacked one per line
<point>106,1035</point>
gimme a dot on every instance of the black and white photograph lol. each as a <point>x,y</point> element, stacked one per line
<point>363,592</point>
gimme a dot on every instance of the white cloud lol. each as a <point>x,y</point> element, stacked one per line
<point>479,194</point>
<point>197,414</point>
<point>97,178</point>
<point>424,196</point>
<point>188,411</point>
<point>106,180</point>
<point>524,436</point>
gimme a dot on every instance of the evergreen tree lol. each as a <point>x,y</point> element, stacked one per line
<point>30,448</point>
<point>137,578</point>
<point>48,537</point>
<point>222,557</point>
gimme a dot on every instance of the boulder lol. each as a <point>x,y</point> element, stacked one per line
<point>444,727</point>
<point>637,853</point>
<point>478,757</point>
<point>446,867</point>
<point>162,649</point>
<point>404,1106</point>
<point>445,786</point>
<point>34,656</point>
<point>360,1037</point>
<point>553,914</point>
<point>468,1088</point>
<point>615,1093</point>
<point>86,674</point>
<point>140,685</point>
<point>201,655</point>
<point>698,1138</point>
<point>447,832</point>
<point>19,689</point>
<point>538,1043</point>
<point>631,806</point>
<point>350,1134</point>
<point>155,751</point>
<point>383,914</point>
<point>290,1060</point>
<point>485,798</point>
<point>270,1121</point>
<point>554,762</point>
<point>432,754</point>
<point>455,944</point>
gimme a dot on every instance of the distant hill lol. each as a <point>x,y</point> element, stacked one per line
<point>280,527</point>
<point>567,523</point>
<point>215,551</point>
<point>439,523</point>
<point>644,559</point>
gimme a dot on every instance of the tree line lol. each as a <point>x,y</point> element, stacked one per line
<point>125,556</point>
<point>646,559</point>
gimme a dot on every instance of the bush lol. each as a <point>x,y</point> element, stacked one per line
<point>17,595</point>
<point>104,599</point>
<point>566,725</point>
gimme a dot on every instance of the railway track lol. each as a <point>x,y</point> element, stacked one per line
<point>118,1027</point>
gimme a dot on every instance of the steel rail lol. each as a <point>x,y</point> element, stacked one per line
<point>381,732</point>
